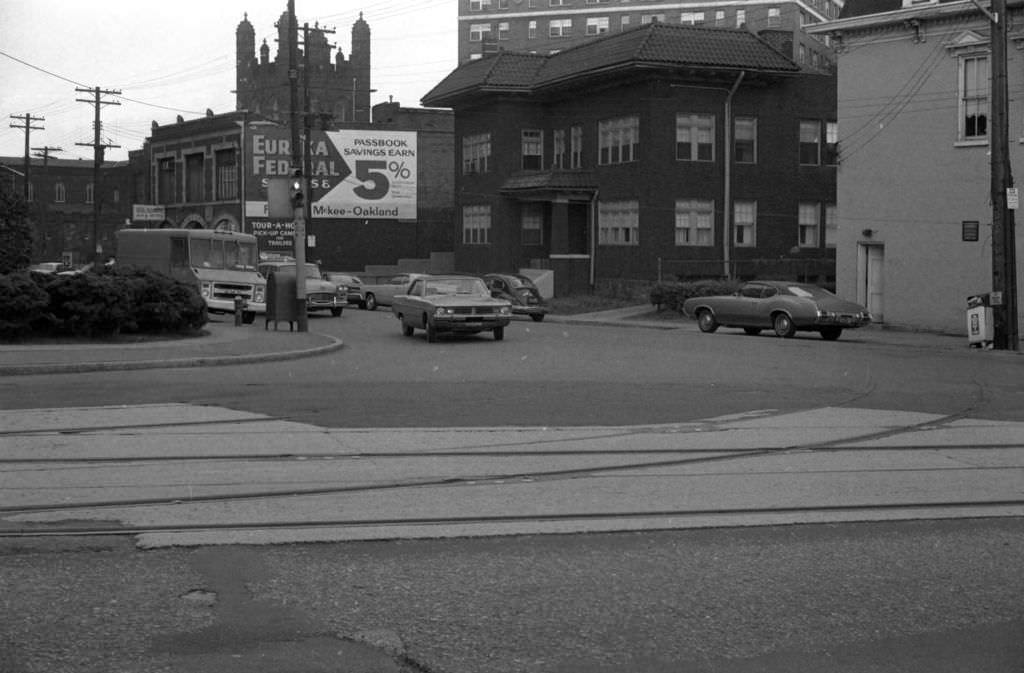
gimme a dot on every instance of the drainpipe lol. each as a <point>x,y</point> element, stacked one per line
<point>727,187</point>
<point>593,240</point>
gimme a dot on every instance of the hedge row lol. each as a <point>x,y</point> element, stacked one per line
<point>670,296</point>
<point>103,304</point>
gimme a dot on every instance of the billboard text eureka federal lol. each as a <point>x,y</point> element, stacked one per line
<point>362,174</point>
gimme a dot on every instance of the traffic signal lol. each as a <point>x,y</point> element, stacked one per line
<point>298,199</point>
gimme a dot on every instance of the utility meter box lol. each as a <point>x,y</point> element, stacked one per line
<point>979,321</point>
<point>282,304</point>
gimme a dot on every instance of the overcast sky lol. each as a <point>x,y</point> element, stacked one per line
<point>171,58</point>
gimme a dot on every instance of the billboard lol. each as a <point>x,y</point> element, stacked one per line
<point>360,174</point>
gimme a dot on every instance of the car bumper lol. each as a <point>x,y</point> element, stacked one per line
<point>317,303</point>
<point>529,310</point>
<point>469,323</point>
<point>844,321</point>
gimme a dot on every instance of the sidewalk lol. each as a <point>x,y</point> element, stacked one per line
<point>225,343</point>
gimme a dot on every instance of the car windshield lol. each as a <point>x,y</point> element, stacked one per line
<point>467,286</point>
<point>218,254</point>
<point>517,282</point>
<point>809,291</point>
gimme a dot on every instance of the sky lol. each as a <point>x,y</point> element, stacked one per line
<point>178,58</point>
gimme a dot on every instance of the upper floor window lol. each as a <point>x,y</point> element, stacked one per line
<point>831,143</point>
<point>831,225</point>
<point>479,5</point>
<point>692,18</point>
<point>652,18</point>
<point>624,22</point>
<point>227,174</point>
<point>774,17</point>
<point>502,4</point>
<point>165,188</point>
<point>558,148</point>
<point>597,25</point>
<point>60,193</point>
<point>618,223</point>
<point>810,142</point>
<point>741,18</point>
<point>618,140</point>
<point>531,30</point>
<point>745,140</point>
<point>808,225</point>
<point>533,223</point>
<point>116,195</point>
<point>974,93</point>
<point>90,193</point>
<point>479,31</point>
<point>720,17</point>
<point>194,191</point>
<point>695,137</point>
<point>560,27</point>
<point>744,224</point>
<point>558,3</point>
<point>476,225</point>
<point>694,222</point>
<point>576,147</point>
<point>31,192</point>
<point>503,30</point>
<point>533,149</point>
<point>476,153</point>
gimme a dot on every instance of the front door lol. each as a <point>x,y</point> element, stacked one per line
<point>870,279</point>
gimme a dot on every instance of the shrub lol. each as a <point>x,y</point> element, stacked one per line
<point>22,302</point>
<point>15,232</point>
<point>160,303</point>
<point>672,295</point>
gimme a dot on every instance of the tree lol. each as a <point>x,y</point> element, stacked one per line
<point>16,236</point>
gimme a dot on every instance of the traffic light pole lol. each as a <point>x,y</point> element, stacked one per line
<point>300,209</point>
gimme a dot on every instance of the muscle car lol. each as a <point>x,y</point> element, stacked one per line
<point>786,308</point>
<point>450,304</point>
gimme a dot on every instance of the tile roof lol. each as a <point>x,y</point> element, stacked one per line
<point>656,44</point>
<point>553,180</point>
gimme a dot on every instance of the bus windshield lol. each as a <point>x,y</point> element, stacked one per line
<point>219,254</point>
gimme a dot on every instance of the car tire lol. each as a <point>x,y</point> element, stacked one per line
<point>371,303</point>
<point>752,331</point>
<point>499,333</point>
<point>706,321</point>
<point>831,333</point>
<point>431,332</point>
<point>783,325</point>
<point>336,312</point>
<point>407,329</point>
<point>537,317</point>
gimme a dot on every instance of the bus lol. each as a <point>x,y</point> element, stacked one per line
<point>222,264</point>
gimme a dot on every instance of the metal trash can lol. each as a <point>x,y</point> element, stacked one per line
<point>979,321</point>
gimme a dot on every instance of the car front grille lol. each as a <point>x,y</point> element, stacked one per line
<point>228,291</point>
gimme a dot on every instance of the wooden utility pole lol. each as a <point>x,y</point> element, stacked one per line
<point>44,153</point>
<point>1004,245</point>
<point>97,163</point>
<point>27,125</point>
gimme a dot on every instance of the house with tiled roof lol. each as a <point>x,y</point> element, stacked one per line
<point>915,236</point>
<point>660,152</point>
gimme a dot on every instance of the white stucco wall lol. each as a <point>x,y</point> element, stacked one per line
<point>903,176</point>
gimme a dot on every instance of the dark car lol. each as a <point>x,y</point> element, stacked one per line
<point>784,307</point>
<point>352,284</point>
<point>520,292</point>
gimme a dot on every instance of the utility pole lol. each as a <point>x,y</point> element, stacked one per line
<point>27,125</point>
<point>300,212</point>
<point>97,162</point>
<point>44,153</point>
<point>1004,245</point>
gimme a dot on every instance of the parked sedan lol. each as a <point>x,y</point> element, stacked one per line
<point>520,292</point>
<point>786,308</point>
<point>353,287</point>
<point>451,304</point>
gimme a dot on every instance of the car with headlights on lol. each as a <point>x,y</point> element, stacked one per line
<point>519,291</point>
<point>781,306</point>
<point>451,304</point>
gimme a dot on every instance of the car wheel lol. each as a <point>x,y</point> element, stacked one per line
<point>783,325</point>
<point>407,329</point>
<point>499,333</point>
<point>431,332</point>
<point>831,333</point>
<point>537,317</point>
<point>371,303</point>
<point>706,321</point>
<point>752,331</point>
<point>336,312</point>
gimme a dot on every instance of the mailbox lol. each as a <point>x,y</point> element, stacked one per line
<point>281,302</point>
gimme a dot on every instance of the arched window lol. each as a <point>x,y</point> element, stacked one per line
<point>60,194</point>
<point>31,192</point>
<point>116,195</point>
<point>90,193</point>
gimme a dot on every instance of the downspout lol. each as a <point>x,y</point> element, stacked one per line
<point>593,240</point>
<point>727,187</point>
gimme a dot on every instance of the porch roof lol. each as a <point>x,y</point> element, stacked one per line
<point>540,184</point>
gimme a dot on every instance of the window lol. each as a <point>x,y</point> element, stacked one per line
<point>476,153</point>
<point>744,224</point>
<point>808,225</point>
<point>576,147</point>
<point>502,4</point>
<point>476,225</point>
<point>832,143</point>
<point>560,27</point>
<point>165,180</point>
<point>597,25</point>
<point>651,18</point>
<point>618,223</point>
<point>533,149</point>
<point>695,137</point>
<point>619,140</point>
<point>116,195</point>
<point>974,92</point>
<point>831,225</point>
<point>193,178</point>
<point>558,142</point>
<point>691,18</point>
<point>479,31</point>
<point>479,5</point>
<point>745,140</point>
<point>557,3</point>
<point>60,194</point>
<point>624,22</point>
<point>741,18</point>
<point>32,192</point>
<point>90,193</point>
<point>720,17</point>
<point>533,223</point>
<point>503,30</point>
<point>810,142</point>
<point>227,174</point>
<point>774,17</point>
<point>531,31</point>
<point>694,222</point>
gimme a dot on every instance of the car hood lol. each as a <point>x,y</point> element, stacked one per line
<point>465,300</point>
<point>318,285</point>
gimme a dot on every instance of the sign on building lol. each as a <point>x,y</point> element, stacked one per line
<point>148,213</point>
<point>355,174</point>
